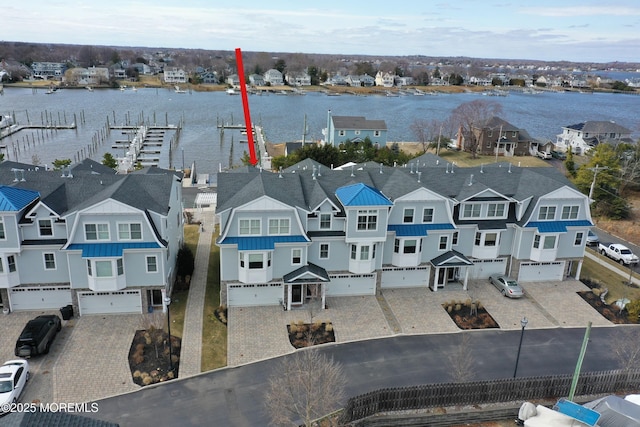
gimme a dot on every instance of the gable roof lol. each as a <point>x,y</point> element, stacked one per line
<point>361,195</point>
<point>599,127</point>
<point>357,122</point>
<point>15,199</point>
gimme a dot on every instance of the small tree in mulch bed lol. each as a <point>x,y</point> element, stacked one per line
<point>221,314</point>
<point>469,315</point>
<point>307,334</point>
<point>149,353</point>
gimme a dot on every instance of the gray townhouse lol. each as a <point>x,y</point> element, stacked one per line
<point>311,232</point>
<point>103,242</point>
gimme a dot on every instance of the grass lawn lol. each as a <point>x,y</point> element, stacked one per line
<point>612,281</point>
<point>214,333</point>
<point>464,159</point>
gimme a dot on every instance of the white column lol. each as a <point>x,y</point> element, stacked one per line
<point>579,269</point>
<point>466,278</point>
<point>288,296</point>
<point>322,284</point>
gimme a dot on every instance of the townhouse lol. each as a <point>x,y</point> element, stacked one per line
<point>103,242</point>
<point>311,232</point>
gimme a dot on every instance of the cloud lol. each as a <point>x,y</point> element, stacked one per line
<point>574,11</point>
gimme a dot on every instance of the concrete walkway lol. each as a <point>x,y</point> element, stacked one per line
<point>191,350</point>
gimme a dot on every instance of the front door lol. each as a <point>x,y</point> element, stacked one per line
<point>296,294</point>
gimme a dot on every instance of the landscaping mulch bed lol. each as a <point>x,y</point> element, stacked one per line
<point>609,312</point>
<point>221,314</point>
<point>308,334</point>
<point>149,357</point>
<point>467,318</point>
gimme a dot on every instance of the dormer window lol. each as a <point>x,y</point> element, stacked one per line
<point>45,227</point>
<point>570,212</point>
<point>407,216</point>
<point>471,210</point>
<point>367,220</point>
<point>547,213</point>
<point>325,221</point>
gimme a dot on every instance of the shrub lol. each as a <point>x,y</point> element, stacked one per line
<point>458,306</point>
<point>633,308</point>
<point>293,328</point>
<point>137,374</point>
<point>137,358</point>
<point>328,327</point>
<point>147,380</point>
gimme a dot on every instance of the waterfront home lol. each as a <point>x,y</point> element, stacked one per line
<point>307,233</point>
<point>298,79</point>
<point>175,75</point>
<point>256,80</point>
<point>582,137</point>
<point>355,129</point>
<point>384,79</point>
<point>85,236</point>
<point>273,77</point>
<point>499,137</point>
<point>48,70</point>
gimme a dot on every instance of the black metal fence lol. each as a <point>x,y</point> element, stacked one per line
<point>483,392</point>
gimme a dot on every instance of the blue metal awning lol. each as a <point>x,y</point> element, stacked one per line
<point>407,230</point>
<point>109,250</point>
<point>558,226</point>
<point>261,243</point>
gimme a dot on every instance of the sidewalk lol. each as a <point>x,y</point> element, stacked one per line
<point>191,349</point>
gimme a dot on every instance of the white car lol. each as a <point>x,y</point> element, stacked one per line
<point>14,375</point>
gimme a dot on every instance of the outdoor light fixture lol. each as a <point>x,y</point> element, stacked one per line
<point>523,323</point>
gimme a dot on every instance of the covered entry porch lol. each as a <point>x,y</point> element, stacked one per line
<point>450,267</point>
<point>305,285</point>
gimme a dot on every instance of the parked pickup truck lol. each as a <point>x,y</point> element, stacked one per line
<point>618,252</point>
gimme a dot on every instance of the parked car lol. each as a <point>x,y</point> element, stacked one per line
<point>592,238</point>
<point>618,252</point>
<point>14,375</point>
<point>37,335</point>
<point>544,155</point>
<point>507,287</point>
<point>558,155</point>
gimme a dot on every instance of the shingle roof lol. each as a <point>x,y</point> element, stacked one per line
<point>357,123</point>
<point>599,127</point>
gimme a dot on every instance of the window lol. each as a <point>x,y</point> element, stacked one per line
<point>241,259</point>
<point>396,246</point>
<point>490,239</point>
<point>296,256</point>
<point>2,233</point>
<point>570,212</point>
<point>357,132</point>
<point>249,226</point>
<point>120,266</point>
<point>103,269</point>
<point>49,261</point>
<point>256,261</point>
<point>279,226</point>
<point>454,238</point>
<point>354,251</point>
<point>443,243</point>
<point>325,221</point>
<point>89,270</point>
<point>324,250</point>
<point>547,212</point>
<point>129,231</point>
<point>376,133</point>
<point>578,240</point>
<point>407,216</point>
<point>45,228</point>
<point>471,210</point>
<point>11,262</point>
<point>536,241</point>
<point>364,253</point>
<point>478,239</point>
<point>96,231</point>
<point>367,219</point>
<point>152,264</point>
<point>549,242</point>
<point>496,210</point>
<point>410,246</point>
<point>342,133</point>
<point>427,215</point>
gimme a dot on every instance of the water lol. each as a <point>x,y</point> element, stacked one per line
<point>282,118</point>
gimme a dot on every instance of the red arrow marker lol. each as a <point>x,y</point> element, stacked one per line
<point>245,105</point>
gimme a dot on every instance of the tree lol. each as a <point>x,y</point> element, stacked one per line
<point>473,114</point>
<point>60,164</point>
<point>569,163</point>
<point>280,65</point>
<point>436,73</point>
<point>306,386</point>
<point>109,161</point>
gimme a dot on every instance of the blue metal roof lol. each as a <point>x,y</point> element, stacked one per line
<point>109,250</point>
<point>261,243</point>
<point>406,230</point>
<point>558,226</point>
<point>15,199</point>
<point>361,195</point>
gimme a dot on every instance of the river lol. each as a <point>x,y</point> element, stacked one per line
<point>282,117</point>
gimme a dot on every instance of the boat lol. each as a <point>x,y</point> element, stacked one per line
<point>232,92</point>
<point>178,90</point>
<point>89,88</point>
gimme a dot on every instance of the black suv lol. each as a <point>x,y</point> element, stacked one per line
<point>37,335</point>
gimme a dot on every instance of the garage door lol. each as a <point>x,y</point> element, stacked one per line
<point>483,268</point>
<point>351,284</point>
<point>240,295</point>
<point>109,302</point>
<point>541,271</point>
<point>39,298</point>
<point>406,277</point>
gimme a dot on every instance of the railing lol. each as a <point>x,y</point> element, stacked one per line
<point>483,392</point>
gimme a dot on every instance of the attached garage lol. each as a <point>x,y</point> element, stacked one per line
<point>245,295</point>
<point>351,284</point>
<point>110,302</point>
<point>39,298</point>
<point>541,271</point>
<point>405,277</point>
<point>484,268</point>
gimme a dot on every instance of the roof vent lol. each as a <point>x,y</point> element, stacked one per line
<point>447,168</point>
<point>16,174</point>
<point>419,176</point>
<point>411,164</point>
<point>471,180</point>
<point>319,170</point>
<point>313,174</point>
<point>280,172</point>
<point>509,167</point>
<point>352,174</point>
<point>482,168</point>
<point>380,167</point>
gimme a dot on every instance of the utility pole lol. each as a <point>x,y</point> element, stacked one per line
<point>439,135</point>
<point>593,184</point>
<point>498,143</point>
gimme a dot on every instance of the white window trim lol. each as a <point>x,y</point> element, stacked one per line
<point>40,229</point>
<point>320,221</point>
<point>367,213</point>
<point>279,226</point>
<point>129,224</point>
<point>575,238</point>
<point>3,229</point>
<point>433,214</point>
<point>570,207</point>
<point>546,216</point>
<point>463,214</point>
<point>146,263</point>
<point>44,260</point>
<point>97,224</point>
<point>446,242</point>
<point>404,215</point>
<point>250,233</point>
<point>293,250</point>
<point>320,251</point>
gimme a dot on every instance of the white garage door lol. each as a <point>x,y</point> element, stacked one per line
<point>405,277</point>
<point>239,295</point>
<point>351,284</point>
<point>541,271</point>
<point>39,298</point>
<point>109,302</point>
<point>483,268</point>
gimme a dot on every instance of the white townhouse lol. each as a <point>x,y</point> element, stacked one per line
<point>582,137</point>
<point>310,232</point>
<point>298,79</point>
<point>385,79</point>
<point>175,75</point>
<point>102,242</point>
<point>273,77</point>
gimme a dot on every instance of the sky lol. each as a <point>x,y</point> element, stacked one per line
<point>550,30</point>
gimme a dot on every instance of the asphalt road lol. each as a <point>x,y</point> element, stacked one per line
<point>610,238</point>
<point>234,396</point>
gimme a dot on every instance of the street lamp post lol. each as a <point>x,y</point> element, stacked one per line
<point>167,302</point>
<point>523,323</point>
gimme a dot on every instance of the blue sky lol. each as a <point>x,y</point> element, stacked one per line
<point>574,30</point>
